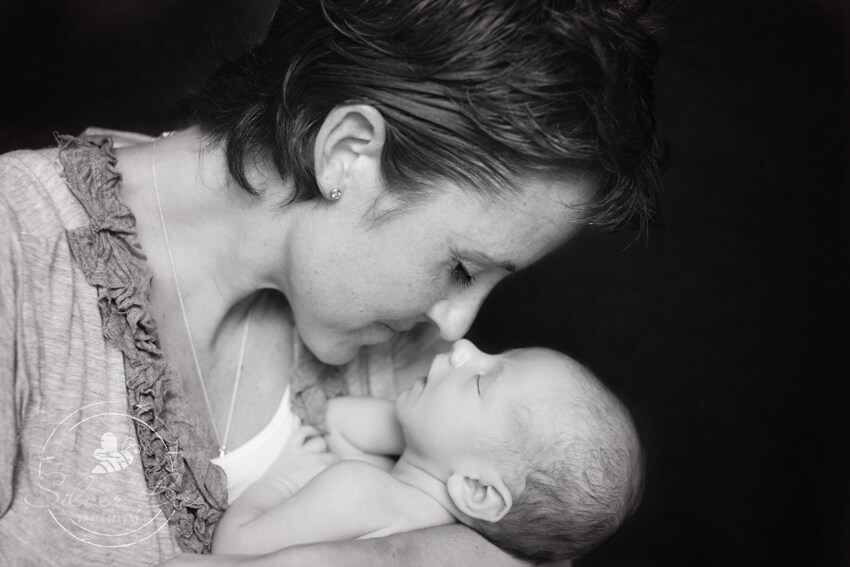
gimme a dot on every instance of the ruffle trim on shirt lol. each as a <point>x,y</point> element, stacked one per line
<point>313,384</point>
<point>177,468</point>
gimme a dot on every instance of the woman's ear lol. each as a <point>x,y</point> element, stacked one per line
<point>488,501</point>
<point>347,151</point>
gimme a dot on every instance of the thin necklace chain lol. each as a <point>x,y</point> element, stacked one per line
<point>222,441</point>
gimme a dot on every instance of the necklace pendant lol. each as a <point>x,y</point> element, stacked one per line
<point>221,451</point>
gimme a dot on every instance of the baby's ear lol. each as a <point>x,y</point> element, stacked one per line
<point>484,499</point>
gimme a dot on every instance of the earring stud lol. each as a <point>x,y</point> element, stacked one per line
<point>335,194</point>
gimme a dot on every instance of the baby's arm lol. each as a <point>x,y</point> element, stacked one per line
<point>364,428</point>
<point>304,456</point>
<point>348,500</point>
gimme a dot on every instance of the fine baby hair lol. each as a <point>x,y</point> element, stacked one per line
<point>580,470</point>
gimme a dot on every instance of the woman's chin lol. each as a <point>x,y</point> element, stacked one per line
<point>334,354</point>
<point>343,349</point>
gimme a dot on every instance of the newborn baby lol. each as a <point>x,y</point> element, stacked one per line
<point>526,447</point>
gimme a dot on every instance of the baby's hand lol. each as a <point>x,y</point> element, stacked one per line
<point>305,455</point>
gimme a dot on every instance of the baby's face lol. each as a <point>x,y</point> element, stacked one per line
<point>464,410</point>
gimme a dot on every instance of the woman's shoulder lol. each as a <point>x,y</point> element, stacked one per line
<point>48,189</point>
<point>31,191</point>
<point>27,168</point>
<point>31,175</point>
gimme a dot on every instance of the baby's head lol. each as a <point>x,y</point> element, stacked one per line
<point>537,455</point>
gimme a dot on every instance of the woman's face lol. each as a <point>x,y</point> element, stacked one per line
<point>353,281</point>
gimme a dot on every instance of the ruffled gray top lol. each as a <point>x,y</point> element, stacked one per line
<point>99,462</point>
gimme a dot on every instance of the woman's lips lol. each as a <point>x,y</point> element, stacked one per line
<point>399,327</point>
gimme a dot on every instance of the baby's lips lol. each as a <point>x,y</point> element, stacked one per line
<point>421,380</point>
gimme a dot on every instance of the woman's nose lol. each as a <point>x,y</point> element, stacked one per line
<point>454,315</point>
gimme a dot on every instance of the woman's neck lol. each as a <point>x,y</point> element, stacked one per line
<point>225,244</point>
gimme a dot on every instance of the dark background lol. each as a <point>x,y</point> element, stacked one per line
<point>723,331</point>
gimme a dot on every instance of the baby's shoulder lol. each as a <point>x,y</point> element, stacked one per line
<point>359,478</point>
<point>404,507</point>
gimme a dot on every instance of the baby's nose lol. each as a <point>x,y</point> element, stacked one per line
<point>462,352</point>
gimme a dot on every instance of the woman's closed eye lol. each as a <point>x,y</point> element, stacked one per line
<point>462,275</point>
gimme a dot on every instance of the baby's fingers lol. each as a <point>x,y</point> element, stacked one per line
<point>316,445</point>
<point>301,435</point>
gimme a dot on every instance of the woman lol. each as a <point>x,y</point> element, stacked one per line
<point>347,191</point>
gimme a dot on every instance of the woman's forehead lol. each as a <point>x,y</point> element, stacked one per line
<point>538,202</point>
<point>514,234</point>
<point>559,195</point>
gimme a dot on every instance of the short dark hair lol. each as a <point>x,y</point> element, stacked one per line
<point>573,489</point>
<point>478,92</point>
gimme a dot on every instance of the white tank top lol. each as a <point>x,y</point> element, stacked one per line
<point>247,463</point>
